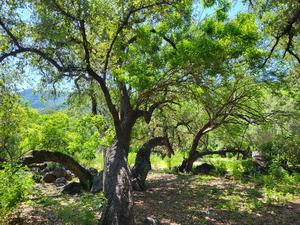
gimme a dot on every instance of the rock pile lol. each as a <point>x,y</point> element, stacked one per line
<point>59,176</point>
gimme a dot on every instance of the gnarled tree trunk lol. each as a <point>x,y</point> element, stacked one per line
<point>42,156</point>
<point>117,187</point>
<point>142,164</point>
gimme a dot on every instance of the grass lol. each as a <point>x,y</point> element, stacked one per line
<point>82,209</point>
<point>166,163</point>
<point>48,206</point>
<point>276,187</point>
<point>157,162</point>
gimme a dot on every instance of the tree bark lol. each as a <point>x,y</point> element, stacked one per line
<point>187,164</point>
<point>117,187</point>
<point>42,156</point>
<point>142,164</point>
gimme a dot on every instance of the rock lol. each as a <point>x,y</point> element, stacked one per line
<point>260,164</point>
<point>34,170</point>
<point>72,188</point>
<point>151,221</point>
<point>97,183</point>
<point>39,166</point>
<point>49,177</point>
<point>61,181</point>
<point>69,175</point>
<point>60,172</point>
<point>93,171</point>
<point>44,171</point>
<point>204,168</point>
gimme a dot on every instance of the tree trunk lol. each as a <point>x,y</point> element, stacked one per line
<point>142,164</point>
<point>117,187</point>
<point>187,164</point>
<point>42,156</point>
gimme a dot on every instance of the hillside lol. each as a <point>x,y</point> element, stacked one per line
<point>42,101</point>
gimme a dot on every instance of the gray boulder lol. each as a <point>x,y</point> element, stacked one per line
<point>204,168</point>
<point>72,188</point>
<point>49,177</point>
<point>151,221</point>
<point>260,163</point>
<point>44,171</point>
<point>61,181</point>
<point>69,175</point>
<point>60,172</point>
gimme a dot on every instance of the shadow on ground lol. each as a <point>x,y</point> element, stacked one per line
<point>190,200</point>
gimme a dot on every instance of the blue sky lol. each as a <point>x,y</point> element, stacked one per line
<point>33,76</point>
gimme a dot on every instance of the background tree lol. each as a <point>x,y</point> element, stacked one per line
<point>280,21</point>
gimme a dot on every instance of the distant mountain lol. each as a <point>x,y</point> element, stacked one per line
<point>42,101</point>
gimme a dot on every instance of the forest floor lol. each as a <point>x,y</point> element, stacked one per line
<point>195,200</point>
<point>174,200</point>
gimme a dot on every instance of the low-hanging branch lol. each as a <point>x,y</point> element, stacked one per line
<point>42,156</point>
<point>223,152</point>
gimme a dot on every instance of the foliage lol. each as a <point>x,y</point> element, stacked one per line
<point>280,23</point>
<point>13,122</point>
<point>23,129</point>
<point>16,185</point>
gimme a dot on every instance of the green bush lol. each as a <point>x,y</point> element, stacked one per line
<point>277,172</point>
<point>16,184</point>
<point>237,171</point>
<point>220,168</point>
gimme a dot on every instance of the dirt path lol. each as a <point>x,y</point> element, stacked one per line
<point>188,200</point>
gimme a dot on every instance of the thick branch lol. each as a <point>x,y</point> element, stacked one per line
<point>111,107</point>
<point>20,49</point>
<point>142,162</point>
<point>100,80</point>
<point>46,156</point>
<point>10,34</point>
<point>147,114</point>
<point>222,152</point>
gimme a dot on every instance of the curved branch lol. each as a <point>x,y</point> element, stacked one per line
<point>84,175</point>
<point>142,164</point>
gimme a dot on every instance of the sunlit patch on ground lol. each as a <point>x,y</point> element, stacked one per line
<point>194,200</point>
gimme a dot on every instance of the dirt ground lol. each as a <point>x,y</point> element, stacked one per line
<point>183,200</point>
<point>186,200</point>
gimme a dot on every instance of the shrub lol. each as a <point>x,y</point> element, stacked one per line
<point>220,168</point>
<point>16,184</point>
<point>237,171</point>
<point>277,172</point>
